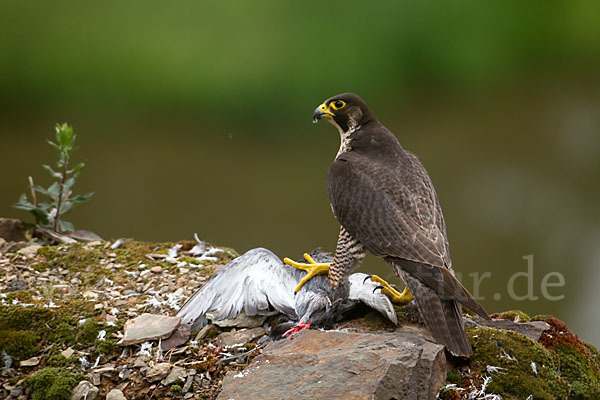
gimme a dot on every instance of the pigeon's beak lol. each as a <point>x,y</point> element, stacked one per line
<point>322,111</point>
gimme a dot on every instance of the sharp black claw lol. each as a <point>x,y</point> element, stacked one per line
<point>378,287</point>
<point>368,277</point>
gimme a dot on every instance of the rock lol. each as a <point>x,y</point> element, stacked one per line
<point>17,284</point>
<point>84,391</point>
<point>85,236</point>
<point>241,321</point>
<point>12,230</point>
<point>230,339</point>
<point>125,373</point>
<point>321,364</point>
<point>149,327</point>
<point>67,353</point>
<point>105,369</point>
<point>533,330</point>
<point>115,394</point>
<point>141,361</point>
<point>179,337</point>
<point>32,362</point>
<point>157,269</point>
<point>158,372</point>
<point>16,391</point>
<point>177,375</point>
<point>29,251</point>
<point>188,384</point>
<point>203,332</point>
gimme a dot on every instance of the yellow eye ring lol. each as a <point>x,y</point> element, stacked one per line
<point>336,105</point>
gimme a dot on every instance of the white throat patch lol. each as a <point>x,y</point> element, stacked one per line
<point>353,126</point>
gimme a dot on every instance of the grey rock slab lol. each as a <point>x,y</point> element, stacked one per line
<point>149,327</point>
<point>84,391</point>
<point>533,330</point>
<point>349,365</point>
<point>233,338</point>
<point>179,337</point>
<point>158,372</point>
<point>177,375</point>
<point>115,394</point>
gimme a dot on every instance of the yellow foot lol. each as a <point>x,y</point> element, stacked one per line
<point>312,268</point>
<point>396,297</point>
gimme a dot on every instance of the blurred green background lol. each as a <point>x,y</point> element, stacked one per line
<point>195,116</point>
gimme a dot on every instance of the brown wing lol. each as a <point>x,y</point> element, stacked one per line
<point>393,211</point>
<point>390,207</point>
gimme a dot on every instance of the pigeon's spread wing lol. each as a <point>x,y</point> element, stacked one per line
<point>256,283</point>
<point>364,289</point>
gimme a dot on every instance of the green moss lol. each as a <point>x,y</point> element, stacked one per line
<point>176,389</point>
<point>453,377</point>
<point>24,318</point>
<point>74,257</point>
<point>19,344</point>
<point>51,384</point>
<point>63,333</point>
<point>515,353</point>
<point>513,315</point>
<point>212,333</point>
<point>105,346</point>
<point>88,332</point>
<point>579,362</point>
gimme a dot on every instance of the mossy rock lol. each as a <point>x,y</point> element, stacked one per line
<point>579,361</point>
<point>516,355</point>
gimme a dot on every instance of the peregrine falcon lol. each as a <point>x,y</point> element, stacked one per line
<point>385,202</point>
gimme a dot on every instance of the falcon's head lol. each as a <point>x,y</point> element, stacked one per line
<point>345,111</point>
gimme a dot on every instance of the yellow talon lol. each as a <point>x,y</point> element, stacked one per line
<point>312,268</point>
<point>396,297</point>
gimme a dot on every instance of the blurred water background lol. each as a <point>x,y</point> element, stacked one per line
<point>195,116</point>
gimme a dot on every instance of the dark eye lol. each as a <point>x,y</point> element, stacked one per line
<point>338,104</point>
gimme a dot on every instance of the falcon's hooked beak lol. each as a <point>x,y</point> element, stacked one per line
<point>323,111</point>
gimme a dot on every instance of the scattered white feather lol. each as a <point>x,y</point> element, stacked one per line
<point>172,253</point>
<point>84,362</point>
<point>81,321</point>
<point>117,244</point>
<point>533,368</point>
<point>101,335</point>
<point>108,282</point>
<point>146,349</point>
<point>495,370</point>
<point>159,354</point>
<point>96,362</point>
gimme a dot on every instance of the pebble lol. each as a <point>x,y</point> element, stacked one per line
<point>157,269</point>
<point>84,391</point>
<point>158,372</point>
<point>67,353</point>
<point>177,375</point>
<point>115,394</point>
<point>31,362</point>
